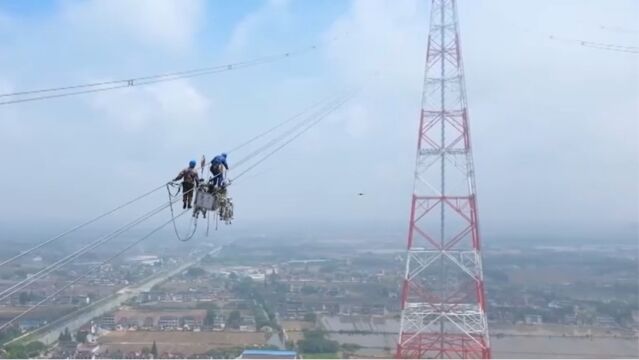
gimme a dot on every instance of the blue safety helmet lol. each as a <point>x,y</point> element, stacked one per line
<point>192,164</point>
<point>224,155</point>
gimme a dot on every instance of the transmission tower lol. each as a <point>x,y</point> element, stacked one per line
<point>443,304</point>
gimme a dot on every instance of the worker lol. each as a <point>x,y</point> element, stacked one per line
<point>189,180</point>
<point>218,165</point>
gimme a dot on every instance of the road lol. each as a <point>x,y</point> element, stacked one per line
<point>73,321</point>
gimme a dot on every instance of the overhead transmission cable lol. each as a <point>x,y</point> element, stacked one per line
<point>99,217</point>
<point>311,122</point>
<point>87,273</point>
<point>75,228</point>
<point>65,260</point>
<point>580,42</point>
<point>134,80</point>
<point>275,127</point>
<point>619,29</point>
<point>256,152</point>
<point>50,93</point>
<point>289,131</point>
<point>142,196</point>
<point>317,119</point>
<point>598,45</point>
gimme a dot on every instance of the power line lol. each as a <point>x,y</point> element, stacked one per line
<point>65,260</point>
<point>134,79</point>
<point>75,228</point>
<point>99,217</point>
<point>318,119</point>
<point>579,42</point>
<point>598,45</point>
<point>277,126</point>
<point>288,131</point>
<point>140,197</point>
<point>149,79</point>
<point>87,273</point>
<point>21,285</point>
<point>131,83</point>
<point>619,29</point>
<point>314,120</point>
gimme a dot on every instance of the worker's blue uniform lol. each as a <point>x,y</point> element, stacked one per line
<point>218,161</point>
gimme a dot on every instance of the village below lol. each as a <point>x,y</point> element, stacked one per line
<point>258,293</point>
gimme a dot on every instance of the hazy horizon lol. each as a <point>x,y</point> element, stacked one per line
<point>553,124</point>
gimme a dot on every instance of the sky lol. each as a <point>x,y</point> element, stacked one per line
<point>554,124</point>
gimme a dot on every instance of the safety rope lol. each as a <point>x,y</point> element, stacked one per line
<point>208,223</point>
<point>171,201</point>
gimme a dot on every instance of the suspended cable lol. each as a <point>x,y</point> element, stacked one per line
<point>87,273</point>
<point>579,42</point>
<point>321,116</point>
<point>151,79</point>
<point>99,217</point>
<point>138,198</point>
<point>65,260</point>
<point>328,108</point>
<point>256,152</point>
<point>75,228</point>
<point>619,29</point>
<point>130,84</point>
<point>597,45</point>
<point>311,122</point>
<point>134,80</point>
<point>277,126</point>
<point>283,135</point>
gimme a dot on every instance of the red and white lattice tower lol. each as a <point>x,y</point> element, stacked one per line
<point>443,304</point>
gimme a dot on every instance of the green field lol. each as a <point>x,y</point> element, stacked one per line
<point>321,356</point>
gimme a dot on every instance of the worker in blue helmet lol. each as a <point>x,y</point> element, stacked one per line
<point>218,166</point>
<point>189,180</point>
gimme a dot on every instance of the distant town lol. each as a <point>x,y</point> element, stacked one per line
<point>264,294</point>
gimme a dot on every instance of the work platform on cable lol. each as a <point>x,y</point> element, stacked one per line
<point>208,196</point>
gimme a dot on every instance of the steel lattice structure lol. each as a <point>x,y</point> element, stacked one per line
<point>443,304</point>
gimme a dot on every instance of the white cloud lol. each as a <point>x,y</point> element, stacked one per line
<point>386,36</point>
<point>13,128</point>
<point>176,109</point>
<point>254,25</point>
<point>380,44</point>
<point>358,120</point>
<point>128,134</point>
<point>542,122</point>
<point>169,24</point>
<point>554,126</point>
